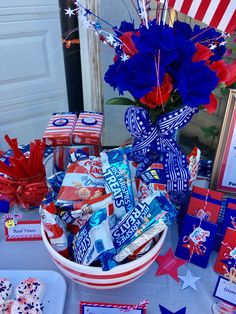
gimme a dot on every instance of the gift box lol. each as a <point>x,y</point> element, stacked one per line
<point>227,255</point>
<point>88,129</point>
<point>63,155</point>
<point>59,129</point>
<point>205,204</point>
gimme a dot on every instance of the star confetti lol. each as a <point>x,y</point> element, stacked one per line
<point>169,264</point>
<point>165,311</point>
<point>189,280</point>
<point>69,12</point>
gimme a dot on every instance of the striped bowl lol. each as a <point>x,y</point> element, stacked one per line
<point>95,277</point>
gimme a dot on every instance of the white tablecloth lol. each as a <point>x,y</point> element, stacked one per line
<point>158,290</point>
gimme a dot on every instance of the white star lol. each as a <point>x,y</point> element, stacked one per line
<point>69,12</point>
<point>110,39</point>
<point>189,280</point>
<point>223,43</point>
<point>124,57</point>
<point>212,47</point>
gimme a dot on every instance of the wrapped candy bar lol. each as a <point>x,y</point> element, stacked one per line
<point>59,129</point>
<point>117,178</point>
<point>55,228</point>
<point>149,211</point>
<point>56,181</point>
<point>84,210</point>
<point>83,181</point>
<point>94,241</point>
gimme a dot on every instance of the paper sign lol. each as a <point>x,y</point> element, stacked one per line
<point>24,231</point>
<point>106,308</point>
<point>225,290</point>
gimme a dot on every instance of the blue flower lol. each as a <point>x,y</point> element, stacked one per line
<point>195,82</point>
<point>124,27</point>
<point>136,75</point>
<point>157,38</point>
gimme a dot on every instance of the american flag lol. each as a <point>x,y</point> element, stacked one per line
<point>220,14</point>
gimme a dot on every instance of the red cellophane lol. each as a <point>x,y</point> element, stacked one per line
<point>24,181</point>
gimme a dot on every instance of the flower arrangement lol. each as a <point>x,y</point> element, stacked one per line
<point>165,68</point>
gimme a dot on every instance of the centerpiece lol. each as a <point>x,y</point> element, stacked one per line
<point>171,72</point>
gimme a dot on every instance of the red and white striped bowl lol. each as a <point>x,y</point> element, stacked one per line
<point>95,277</point>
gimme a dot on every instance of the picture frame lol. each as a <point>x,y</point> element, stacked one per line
<point>109,308</point>
<point>223,174</point>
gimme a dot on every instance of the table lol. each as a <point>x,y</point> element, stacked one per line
<point>164,290</point>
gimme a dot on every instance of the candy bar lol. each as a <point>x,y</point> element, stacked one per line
<point>59,129</point>
<point>84,210</point>
<point>94,239</point>
<point>83,181</point>
<point>55,228</point>
<point>117,178</point>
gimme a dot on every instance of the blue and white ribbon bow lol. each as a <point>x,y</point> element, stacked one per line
<point>152,140</point>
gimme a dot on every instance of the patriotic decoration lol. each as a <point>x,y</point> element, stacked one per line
<point>59,129</point>
<point>218,14</point>
<point>196,240</point>
<point>86,307</point>
<point>189,281</point>
<point>166,311</point>
<point>88,128</point>
<point>169,71</point>
<point>169,264</point>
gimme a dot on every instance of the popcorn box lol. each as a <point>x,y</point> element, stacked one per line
<point>88,129</point>
<point>59,129</point>
<point>63,155</point>
<point>205,204</point>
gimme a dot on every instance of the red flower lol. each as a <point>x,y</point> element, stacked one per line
<point>211,107</point>
<point>158,95</point>
<point>202,53</point>
<point>220,68</point>
<point>231,73</point>
<point>128,45</point>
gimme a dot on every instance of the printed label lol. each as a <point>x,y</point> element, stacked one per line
<point>24,231</point>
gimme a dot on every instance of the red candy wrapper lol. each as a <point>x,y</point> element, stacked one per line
<point>54,228</point>
<point>24,181</point>
<point>83,181</point>
<point>59,129</point>
<point>227,255</point>
<point>205,204</point>
<point>88,128</point>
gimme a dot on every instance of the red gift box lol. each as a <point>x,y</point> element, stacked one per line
<point>227,255</point>
<point>88,129</point>
<point>59,129</point>
<point>205,204</point>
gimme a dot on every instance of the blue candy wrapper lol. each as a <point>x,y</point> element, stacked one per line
<point>94,241</point>
<point>149,211</point>
<point>56,181</point>
<point>117,178</point>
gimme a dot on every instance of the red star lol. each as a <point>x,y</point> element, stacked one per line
<point>169,264</point>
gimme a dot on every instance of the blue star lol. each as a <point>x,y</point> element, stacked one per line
<point>165,311</point>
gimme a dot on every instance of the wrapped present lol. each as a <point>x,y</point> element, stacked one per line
<point>205,204</point>
<point>59,129</point>
<point>227,255</point>
<point>63,155</point>
<point>196,240</point>
<point>88,129</point>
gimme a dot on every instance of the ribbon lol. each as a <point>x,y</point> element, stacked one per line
<point>153,140</point>
<point>26,193</point>
<point>230,275</point>
<point>207,198</point>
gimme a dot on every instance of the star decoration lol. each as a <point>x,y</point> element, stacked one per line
<point>189,281</point>
<point>169,264</point>
<point>165,311</point>
<point>124,57</point>
<point>212,46</point>
<point>69,12</point>
<point>110,39</point>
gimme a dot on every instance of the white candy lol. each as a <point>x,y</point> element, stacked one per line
<point>27,304</point>
<point>6,306</point>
